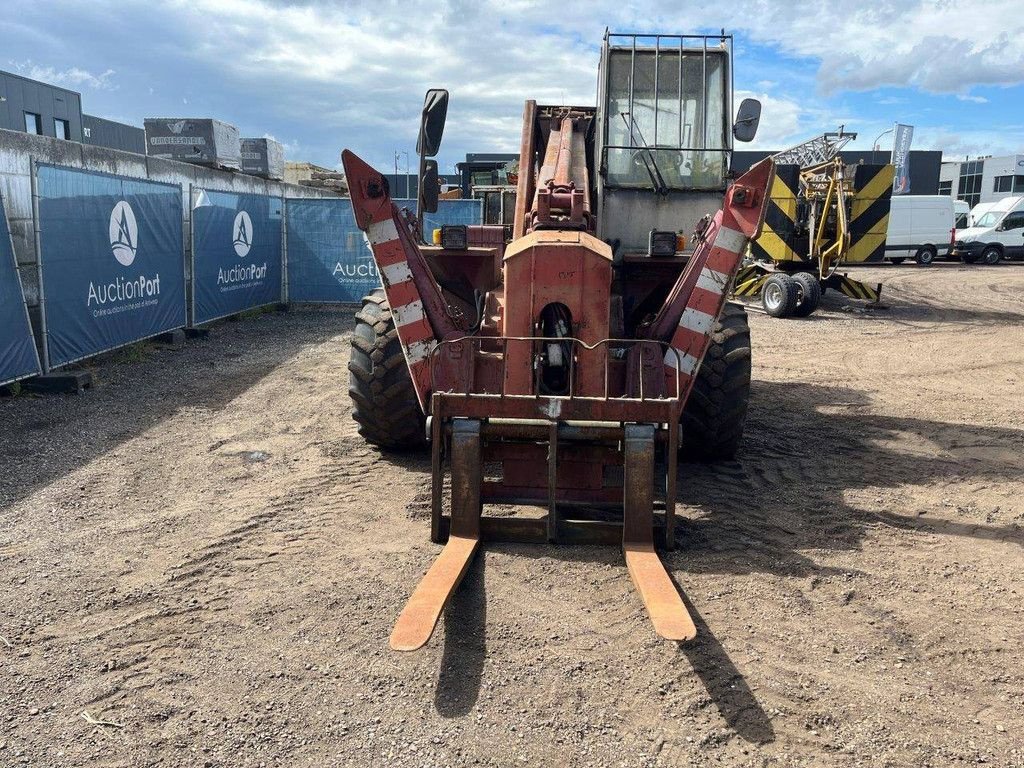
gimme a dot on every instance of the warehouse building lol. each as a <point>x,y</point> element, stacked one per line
<point>983,180</point>
<point>45,110</point>
<point>31,106</point>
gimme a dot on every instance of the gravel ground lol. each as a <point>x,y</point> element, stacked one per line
<point>203,552</point>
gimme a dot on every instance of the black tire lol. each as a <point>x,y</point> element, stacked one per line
<point>810,294</point>
<point>383,399</point>
<point>897,260</point>
<point>779,295</point>
<point>713,419</point>
<point>926,256</point>
<point>991,255</point>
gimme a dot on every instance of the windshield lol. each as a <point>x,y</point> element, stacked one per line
<point>666,110</point>
<point>989,219</point>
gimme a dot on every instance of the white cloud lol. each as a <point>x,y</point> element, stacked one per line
<point>73,77</point>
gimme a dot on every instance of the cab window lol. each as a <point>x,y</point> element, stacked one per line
<point>1014,220</point>
<point>667,112</point>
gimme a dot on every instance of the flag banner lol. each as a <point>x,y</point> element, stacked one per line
<point>902,137</point>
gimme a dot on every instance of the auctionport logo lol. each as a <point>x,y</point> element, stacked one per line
<point>242,230</point>
<point>124,233</point>
<point>123,294</point>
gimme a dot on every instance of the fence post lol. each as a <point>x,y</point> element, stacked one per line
<point>36,229</point>
<point>284,250</point>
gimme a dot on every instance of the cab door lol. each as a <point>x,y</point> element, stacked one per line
<point>1011,234</point>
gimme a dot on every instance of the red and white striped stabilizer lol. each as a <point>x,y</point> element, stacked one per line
<point>715,261</point>
<point>417,306</point>
<point>414,330</point>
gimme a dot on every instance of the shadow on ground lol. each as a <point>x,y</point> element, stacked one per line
<point>43,438</point>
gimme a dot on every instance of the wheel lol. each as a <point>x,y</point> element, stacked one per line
<point>898,260</point>
<point>926,255</point>
<point>991,255</point>
<point>383,399</point>
<point>779,295</point>
<point>713,418</point>
<point>810,294</point>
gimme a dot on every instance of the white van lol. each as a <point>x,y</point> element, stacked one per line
<point>962,212</point>
<point>996,234</point>
<point>920,227</point>
<point>976,213</point>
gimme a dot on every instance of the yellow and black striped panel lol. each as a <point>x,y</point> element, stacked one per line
<point>776,241</point>
<point>749,279</point>
<point>869,214</point>
<point>855,289</point>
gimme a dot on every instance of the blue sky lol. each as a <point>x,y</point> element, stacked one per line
<point>320,76</point>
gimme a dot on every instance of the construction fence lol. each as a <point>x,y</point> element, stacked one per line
<point>119,260</point>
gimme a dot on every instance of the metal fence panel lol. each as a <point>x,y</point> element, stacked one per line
<point>18,356</point>
<point>236,253</point>
<point>329,260</point>
<point>111,261</point>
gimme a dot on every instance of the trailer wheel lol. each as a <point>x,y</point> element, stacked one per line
<point>779,295</point>
<point>991,255</point>
<point>810,294</point>
<point>926,255</point>
<point>713,418</point>
<point>383,399</point>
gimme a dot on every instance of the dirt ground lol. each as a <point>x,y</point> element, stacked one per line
<point>203,551</point>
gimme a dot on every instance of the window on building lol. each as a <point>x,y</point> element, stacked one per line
<point>969,186</point>
<point>1002,183</point>
<point>945,187</point>
<point>61,129</point>
<point>33,123</point>
<point>1018,183</point>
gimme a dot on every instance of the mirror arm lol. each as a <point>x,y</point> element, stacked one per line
<point>419,189</point>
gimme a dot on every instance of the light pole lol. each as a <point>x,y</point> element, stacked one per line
<point>874,145</point>
<point>398,155</point>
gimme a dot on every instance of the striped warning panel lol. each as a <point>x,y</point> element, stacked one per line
<point>777,239</point>
<point>869,213</point>
<point>748,280</point>
<point>855,289</point>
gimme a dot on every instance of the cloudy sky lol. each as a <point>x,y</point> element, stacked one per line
<point>320,75</point>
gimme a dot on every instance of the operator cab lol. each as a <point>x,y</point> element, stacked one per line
<point>665,134</point>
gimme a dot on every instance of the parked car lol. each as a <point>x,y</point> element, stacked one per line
<point>996,234</point>
<point>920,227</point>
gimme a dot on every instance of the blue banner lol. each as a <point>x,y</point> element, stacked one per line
<point>112,261</point>
<point>18,357</point>
<point>236,253</point>
<point>902,137</point>
<point>329,259</point>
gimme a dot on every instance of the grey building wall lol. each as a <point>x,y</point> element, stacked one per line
<point>18,150</point>
<point>19,95</point>
<point>100,132</point>
<point>925,165</point>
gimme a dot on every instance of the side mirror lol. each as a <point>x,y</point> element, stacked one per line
<point>435,110</point>
<point>747,118</point>
<point>430,187</point>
